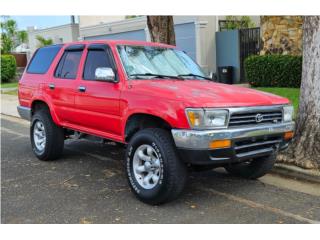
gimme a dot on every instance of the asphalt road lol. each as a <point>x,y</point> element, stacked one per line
<point>88,185</point>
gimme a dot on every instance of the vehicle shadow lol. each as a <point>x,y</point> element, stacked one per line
<point>110,157</point>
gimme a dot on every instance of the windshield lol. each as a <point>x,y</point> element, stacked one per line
<point>150,62</point>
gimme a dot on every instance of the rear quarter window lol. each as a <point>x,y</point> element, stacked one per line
<point>42,59</point>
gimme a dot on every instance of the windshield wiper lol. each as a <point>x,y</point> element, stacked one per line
<point>193,75</point>
<point>155,75</point>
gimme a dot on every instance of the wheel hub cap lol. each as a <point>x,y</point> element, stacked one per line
<point>146,166</point>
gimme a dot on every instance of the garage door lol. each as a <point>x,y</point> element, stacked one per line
<point>186,38</point>
<point>138,35</point>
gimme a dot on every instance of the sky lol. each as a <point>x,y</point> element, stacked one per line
<point>40,21</point>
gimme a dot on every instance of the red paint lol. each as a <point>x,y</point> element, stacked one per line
<point>104,108</point>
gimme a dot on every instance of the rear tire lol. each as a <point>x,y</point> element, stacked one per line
<point>47,139</point>
<point>155,173</point>
<point>254,169</point>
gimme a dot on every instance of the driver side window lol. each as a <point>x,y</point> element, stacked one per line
<point>95,59</point>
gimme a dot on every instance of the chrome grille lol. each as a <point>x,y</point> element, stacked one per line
<point>255,117</point>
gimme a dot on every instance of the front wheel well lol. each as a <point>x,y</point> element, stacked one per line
<point>139,121</point>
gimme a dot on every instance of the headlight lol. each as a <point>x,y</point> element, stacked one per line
<point>287,113</point>
<point>207,118</point>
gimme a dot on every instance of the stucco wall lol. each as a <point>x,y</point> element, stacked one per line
<point>206,27</point>
<point>87,20</point>
<point>59,34</point>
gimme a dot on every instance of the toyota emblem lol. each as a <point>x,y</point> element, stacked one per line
<point>259,118</point>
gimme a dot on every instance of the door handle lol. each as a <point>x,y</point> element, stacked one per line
<point>51,86</point>
<point>82,89</point>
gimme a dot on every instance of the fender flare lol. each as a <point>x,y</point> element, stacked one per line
<point>170,121</point>
<point>43,99</point>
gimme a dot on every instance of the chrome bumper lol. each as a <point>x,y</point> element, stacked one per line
<point>24,112</point>
<point>199,140</point>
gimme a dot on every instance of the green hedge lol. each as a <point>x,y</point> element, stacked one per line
<point>8,68</point>
<point>273,70</point>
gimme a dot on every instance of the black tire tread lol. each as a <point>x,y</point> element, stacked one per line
<point>54,135</point>
<point>176,168</point>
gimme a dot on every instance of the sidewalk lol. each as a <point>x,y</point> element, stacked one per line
<point>9,105</point>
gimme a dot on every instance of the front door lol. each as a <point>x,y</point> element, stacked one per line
<point>97,101</point>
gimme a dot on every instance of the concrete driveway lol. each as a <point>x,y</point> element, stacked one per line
<point>88,185</point>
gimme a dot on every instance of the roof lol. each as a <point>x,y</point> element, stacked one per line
<point>122,42</point>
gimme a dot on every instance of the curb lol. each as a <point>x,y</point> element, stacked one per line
<point>296,172</point>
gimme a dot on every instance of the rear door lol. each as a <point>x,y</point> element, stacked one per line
<point>62,87</point>
<point>37,73</point>
<point>97,101</point>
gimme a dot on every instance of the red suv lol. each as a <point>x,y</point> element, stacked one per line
<point>159,103</point>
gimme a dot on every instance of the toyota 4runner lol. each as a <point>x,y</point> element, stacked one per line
<point>156,101</point>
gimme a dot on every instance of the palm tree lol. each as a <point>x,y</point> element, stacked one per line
<point>43,41</point>
<point>22,36</point>
<point>8,34</point>
<point>10,27</point>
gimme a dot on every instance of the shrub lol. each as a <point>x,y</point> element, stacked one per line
<point>8,68</point>
<point>273,70</point>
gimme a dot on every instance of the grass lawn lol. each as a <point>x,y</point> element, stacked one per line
<point>9,85</point>
<point>291,93</point>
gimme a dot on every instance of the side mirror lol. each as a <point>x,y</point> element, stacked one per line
<point>105,74</point>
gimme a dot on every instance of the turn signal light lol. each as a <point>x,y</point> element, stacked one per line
<point>288,135</point>
<point>194,118</point>
<point>226,143</point>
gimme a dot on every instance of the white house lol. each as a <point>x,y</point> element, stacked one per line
<point>59,34</point>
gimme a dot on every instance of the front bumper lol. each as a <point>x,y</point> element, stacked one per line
<point>246,143</point>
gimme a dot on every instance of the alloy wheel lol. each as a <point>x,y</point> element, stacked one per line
<point>146,166</point>
<point>39,136</point>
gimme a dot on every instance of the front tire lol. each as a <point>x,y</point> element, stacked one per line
<point>254,169</point>
<point>47,139</point>
<point>155,173</point>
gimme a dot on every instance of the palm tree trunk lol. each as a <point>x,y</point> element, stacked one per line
<point>161,29</point>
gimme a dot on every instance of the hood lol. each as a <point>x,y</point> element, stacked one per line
<point>203,93</point>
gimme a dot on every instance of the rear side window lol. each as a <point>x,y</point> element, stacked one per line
<point>95,59</point>
<point>68,65</point>
<point>42,59</point>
